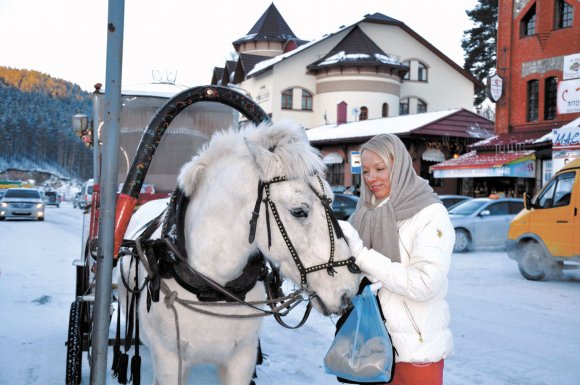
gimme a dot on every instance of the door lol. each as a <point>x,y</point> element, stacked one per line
<point>492,224</point>
<point>553,217</point>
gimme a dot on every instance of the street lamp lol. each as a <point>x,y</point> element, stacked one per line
<point>80,123</point>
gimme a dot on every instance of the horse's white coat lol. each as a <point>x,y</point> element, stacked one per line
<point>222,184</point>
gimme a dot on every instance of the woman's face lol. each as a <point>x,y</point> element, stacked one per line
<point>375,174</point>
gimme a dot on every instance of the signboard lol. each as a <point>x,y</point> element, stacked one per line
<point>569,96</point>
<point>546,171</point>
<point>494,87</point>
<point>525,169</point>
<point>562,157</point>
<point>567,136</point>
<point>571,67</point>
<point>355,163</point>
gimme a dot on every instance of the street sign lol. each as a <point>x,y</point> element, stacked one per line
<point>355,163</point>
<point>494,87</point>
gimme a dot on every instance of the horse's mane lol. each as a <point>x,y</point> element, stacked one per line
<point>280,149</point>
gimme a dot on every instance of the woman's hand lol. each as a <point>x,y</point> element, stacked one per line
<point>352,238</point>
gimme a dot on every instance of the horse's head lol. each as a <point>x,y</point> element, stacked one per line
<point>262,189</point>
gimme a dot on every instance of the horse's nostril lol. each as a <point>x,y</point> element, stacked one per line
<point>345,301</point>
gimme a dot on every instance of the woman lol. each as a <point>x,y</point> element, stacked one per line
<point>407,241</point>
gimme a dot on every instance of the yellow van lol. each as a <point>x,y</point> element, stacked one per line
<point>545,237</point>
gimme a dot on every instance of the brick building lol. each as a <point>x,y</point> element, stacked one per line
<point>536,90</point>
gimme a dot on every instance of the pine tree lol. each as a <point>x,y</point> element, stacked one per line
<point>480,42</point>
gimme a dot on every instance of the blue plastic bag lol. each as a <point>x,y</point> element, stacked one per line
<point>362,350</point>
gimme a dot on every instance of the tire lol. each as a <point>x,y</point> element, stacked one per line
<point>533,262</point>
<point>74,353</point>
<point>462,241</point>
<point>41,219</point>
<point>2,218</point>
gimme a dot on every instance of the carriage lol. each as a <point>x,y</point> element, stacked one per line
<point>256,155</point>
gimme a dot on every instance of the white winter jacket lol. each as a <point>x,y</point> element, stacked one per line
<point>413,293</point>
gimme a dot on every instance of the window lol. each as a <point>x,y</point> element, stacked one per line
<point>564,14</point>
<point>528,24</point>
<point>532,98</point>
<point>500,208</point>
<point>550,98</point>
<point>335,174</point>
<point>364,113</point>
<point>287,99</point>
<point>422,72</point>
<point>407,76</point>
<point>306,100</point>
<point>385,113</point>
<point>558,192</point>
<point>421,106</point>
<point>404,107</point>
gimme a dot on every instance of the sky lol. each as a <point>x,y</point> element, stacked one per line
<point>67,38</point>
<point>507,330</point>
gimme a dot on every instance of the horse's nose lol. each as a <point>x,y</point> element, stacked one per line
<point>345,301</point>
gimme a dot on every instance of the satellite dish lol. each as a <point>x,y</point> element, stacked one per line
<point>355,111</point>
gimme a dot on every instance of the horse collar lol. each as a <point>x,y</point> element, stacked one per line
<point>176,266</point>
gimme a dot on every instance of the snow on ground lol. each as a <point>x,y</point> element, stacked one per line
<point>507,330</point>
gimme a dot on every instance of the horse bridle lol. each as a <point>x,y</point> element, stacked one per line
<point>333,227</point>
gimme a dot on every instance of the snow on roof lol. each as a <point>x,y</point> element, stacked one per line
<point>343,57</point>
<point>270,62</point>
<point>159,90</point>
<point>367,128</point>
<point>473,159</point>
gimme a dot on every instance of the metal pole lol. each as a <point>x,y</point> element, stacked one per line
<point>96,121</point>
<point>112,122</point>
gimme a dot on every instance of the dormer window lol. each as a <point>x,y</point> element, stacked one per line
<point>528,23</point>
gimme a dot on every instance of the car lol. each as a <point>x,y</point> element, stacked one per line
<point>51,198</point>
<point>344,205</point>
<point>87,194</point>
<point>483,222</point>
<point>22,203</point>
<point>451,200</point>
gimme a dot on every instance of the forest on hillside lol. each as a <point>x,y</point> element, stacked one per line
<point>36,124</point>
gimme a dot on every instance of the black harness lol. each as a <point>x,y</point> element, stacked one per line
<point>333,228</point>
<point>168,262</point>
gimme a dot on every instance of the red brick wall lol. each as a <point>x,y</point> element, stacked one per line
<point>513,51</point>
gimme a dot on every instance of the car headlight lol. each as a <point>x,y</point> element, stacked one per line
<point>39,205</point>
<point>3,204</point>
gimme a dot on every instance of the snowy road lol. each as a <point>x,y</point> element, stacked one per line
<point>507,330</point>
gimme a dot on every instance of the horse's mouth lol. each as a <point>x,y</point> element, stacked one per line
<point>345,303</point>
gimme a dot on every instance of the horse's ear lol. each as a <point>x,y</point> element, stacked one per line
<point>190,175</point>
<point>263,157</point>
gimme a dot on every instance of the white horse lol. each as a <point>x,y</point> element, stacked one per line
<point>223,182</point>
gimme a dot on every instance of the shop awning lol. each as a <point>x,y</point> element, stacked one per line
<point>488,164</point>
<point>332,158</point>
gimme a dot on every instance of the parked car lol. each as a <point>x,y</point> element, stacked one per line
<point>22,203</point>
<point>546,235</point>
<point>87,194</point>
<point>51,198</point>
<point>451,200</point>
<point>344,205</point>
<point>483,222</point>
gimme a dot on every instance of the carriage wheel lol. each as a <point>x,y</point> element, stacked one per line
<point>74,353</point>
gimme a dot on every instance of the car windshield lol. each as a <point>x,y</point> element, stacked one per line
<point>467,207</point>
<point>22,194</point>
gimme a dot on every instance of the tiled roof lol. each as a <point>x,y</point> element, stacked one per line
<point>476,159</point>
<point>271,26</point>
<point>358,49</point>
<point>514,141</point>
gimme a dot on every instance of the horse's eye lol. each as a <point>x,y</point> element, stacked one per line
<point>299,213</point>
